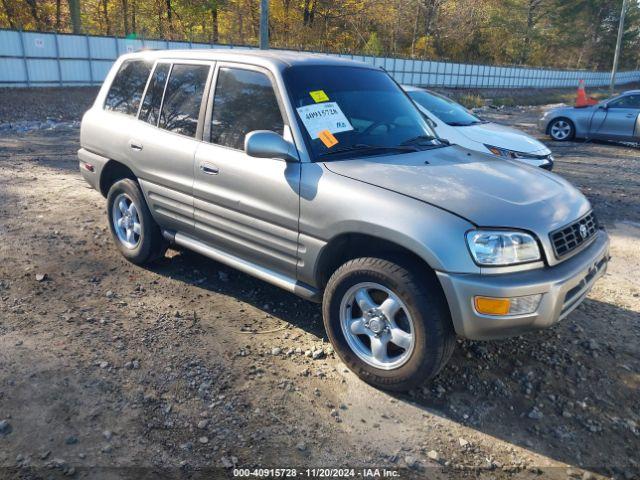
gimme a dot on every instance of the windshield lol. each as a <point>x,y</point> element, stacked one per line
<point>352,111</point>
<point>445,109</point>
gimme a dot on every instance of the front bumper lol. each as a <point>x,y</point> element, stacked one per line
<point>542,124</point>
<point>545,163</point>
<point>563,287</point>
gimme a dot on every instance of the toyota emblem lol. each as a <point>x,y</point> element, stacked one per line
<point>583,231</point>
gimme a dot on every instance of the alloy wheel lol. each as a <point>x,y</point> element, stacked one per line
<point>126,221</point>
<point>377,325</point>
<point>560,130</point>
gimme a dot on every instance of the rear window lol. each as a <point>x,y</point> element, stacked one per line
<point>128,86</point>
<point>150,110</point>
<point>182,99</point>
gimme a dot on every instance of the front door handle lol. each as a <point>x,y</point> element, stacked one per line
<point>209,169</point>
<point>135,146</point>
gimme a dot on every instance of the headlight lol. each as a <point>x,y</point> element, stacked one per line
<point>504,153</point>
<point>501,247</point>
<point>501,152</point>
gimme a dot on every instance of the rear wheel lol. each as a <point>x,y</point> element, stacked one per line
<point>562,129</point>
<point>133,229</point>
<point>392,328</point>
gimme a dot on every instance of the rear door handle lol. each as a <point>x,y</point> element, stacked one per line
<point>209,169</point>
<point>135,146</point>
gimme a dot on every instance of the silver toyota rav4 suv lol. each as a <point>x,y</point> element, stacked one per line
<point>320,176</point>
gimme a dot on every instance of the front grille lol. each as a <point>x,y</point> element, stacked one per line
<point>568,238</point>
<point>577,293</point>
<point>548,156</point>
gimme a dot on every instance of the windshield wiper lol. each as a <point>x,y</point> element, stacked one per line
<point>419,139</point>
<point>366,148</point>
<point>460,124</point>
<point>466,124</point>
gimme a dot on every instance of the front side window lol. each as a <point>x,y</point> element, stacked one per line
<point>128,86</point>
<point>355,111</point>
<point>182,99</point>
<point>150,111</point>
<point>628,101</point>
<point>444,108</point>
<point>244,101</point>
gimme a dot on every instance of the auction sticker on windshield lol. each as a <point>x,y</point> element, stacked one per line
<point>328,139</point>
<point>323,116</point>
<point>319,96</point>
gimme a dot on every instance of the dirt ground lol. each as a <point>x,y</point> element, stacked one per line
<point>188,368</point>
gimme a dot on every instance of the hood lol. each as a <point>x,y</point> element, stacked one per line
<point>486,191</point>
<point>503,137</point>
<point>567,110</point>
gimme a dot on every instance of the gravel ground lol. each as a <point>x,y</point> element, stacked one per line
<point>37,104</point>
<point>187,368</point>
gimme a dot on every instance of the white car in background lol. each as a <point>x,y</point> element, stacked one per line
<point>453,122</point>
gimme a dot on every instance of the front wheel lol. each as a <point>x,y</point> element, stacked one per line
<point>392,328</point>
<point>561,129</point>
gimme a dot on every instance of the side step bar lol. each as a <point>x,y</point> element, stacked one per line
<point>277,279</point>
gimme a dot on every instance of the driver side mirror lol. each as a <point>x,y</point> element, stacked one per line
<point>604,106</point>
<point>268,144</point>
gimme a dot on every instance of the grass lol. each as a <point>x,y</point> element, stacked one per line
<point>471,100</point>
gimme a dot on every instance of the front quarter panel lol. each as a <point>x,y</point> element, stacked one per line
<point>581,118</point>
<point>331,205</point>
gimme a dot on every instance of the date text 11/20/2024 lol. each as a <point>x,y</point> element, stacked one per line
<point>316,473</point>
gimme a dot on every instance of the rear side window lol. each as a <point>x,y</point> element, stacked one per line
<point>128,86</point>
<point>150,111</point>
<point>182,99</point>
<point>244,101</point>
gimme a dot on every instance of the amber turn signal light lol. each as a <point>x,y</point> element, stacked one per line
<point>492,306</point>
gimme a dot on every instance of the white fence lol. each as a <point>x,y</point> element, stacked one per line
<point>29,59</point>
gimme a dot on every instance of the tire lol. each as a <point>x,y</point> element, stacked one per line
<point>146,243</point>
<point>561,129</point>
<point>424,314</point>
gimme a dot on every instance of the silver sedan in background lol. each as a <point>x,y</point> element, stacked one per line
<point>616,119</point>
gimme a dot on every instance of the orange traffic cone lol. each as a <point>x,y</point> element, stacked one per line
<point>581,98</point>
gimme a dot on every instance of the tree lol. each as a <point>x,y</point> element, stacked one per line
<point>105,14</point>
<point>74,9</point>
<point>214,5</point>
<point>535,11</point>
<point>33,10</point>
<point>125,17</point>
<point>10,14</point>
<point>553,33</point>
<point>373,45</point>
<point>308,12</point>
<point>169,17</point>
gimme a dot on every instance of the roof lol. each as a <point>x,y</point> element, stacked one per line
<point>629,92</point>
<point>411,88</point>
<point>275,58</point>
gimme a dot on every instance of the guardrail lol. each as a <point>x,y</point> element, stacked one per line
<point>29,59</point>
